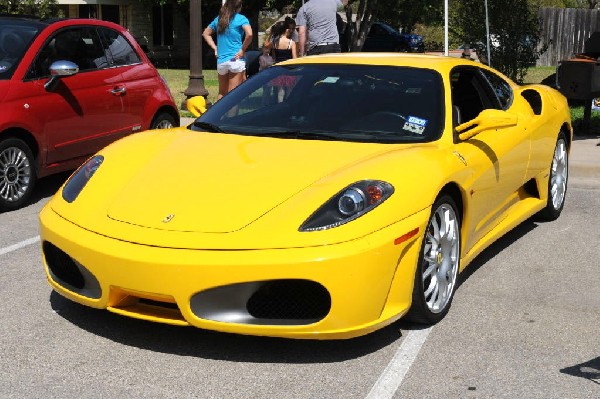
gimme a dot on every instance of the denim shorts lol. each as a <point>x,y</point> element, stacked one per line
<point>233,66</point>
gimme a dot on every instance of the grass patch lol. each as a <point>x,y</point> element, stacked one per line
<point>178,80</point>
<point>537,74</point>
<point>577,119</point>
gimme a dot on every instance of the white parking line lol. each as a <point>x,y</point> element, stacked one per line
<point>19,245</point>
<point>391,378</point>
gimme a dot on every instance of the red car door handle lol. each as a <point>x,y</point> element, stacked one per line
<point>118,91</point>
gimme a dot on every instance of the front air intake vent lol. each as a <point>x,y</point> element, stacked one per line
<point>69,273</point>
<point>290,299</point>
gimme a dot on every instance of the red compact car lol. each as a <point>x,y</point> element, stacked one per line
<point>67,89</point>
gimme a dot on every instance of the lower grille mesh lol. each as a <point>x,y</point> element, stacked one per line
<point>290,299</point>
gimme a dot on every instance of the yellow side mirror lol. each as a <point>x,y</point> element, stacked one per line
<point>486,120</point>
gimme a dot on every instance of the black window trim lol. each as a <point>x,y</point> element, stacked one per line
<point>512,92</point>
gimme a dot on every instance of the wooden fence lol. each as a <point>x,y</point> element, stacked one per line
<point>565,30</point>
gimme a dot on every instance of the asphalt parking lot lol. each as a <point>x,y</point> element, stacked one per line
<point>524,324</point>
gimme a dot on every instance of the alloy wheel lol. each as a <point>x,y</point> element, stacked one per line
<point>558,174</point>
<point>15,174</point>
<point>164,124</point>
<point>441,255</point>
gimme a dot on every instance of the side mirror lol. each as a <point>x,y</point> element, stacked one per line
<point>486,120</point>
<point>59,69</point>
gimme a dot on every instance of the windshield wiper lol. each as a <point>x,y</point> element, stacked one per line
<point>297,134</point>
<point>209,127</point>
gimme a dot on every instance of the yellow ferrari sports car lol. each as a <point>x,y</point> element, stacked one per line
<point>324,198</point>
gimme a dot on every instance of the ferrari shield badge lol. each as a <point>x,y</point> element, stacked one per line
<point>168,218</point>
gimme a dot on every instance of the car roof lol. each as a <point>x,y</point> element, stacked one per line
<point>23,20</point>
<point>440,63</point>
<point>436,62</point>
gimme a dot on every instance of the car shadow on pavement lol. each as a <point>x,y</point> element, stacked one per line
<point>48,186</point>
<point>589,370</point>
<point>195,342</point>
<point>190,341</point>
<point>496,248</point>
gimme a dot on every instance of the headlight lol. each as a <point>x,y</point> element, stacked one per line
<point>349,204</point>
<point>79,179</point>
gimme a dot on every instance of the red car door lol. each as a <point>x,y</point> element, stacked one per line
<point>83,113</point>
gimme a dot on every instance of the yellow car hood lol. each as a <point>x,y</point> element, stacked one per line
<point>218,183</point>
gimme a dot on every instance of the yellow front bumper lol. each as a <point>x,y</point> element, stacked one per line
<point>369,280</point>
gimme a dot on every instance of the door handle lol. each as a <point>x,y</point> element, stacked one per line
<point>118,91</point>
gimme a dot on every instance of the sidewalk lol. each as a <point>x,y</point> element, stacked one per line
<point>584,163</point>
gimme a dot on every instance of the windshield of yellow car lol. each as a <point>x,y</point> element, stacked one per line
<point>364,103</point>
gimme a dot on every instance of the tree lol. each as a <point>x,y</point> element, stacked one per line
<point>39,8</point>
<point>404,14</point>
<point>590,4</point>
<point>514,33</point>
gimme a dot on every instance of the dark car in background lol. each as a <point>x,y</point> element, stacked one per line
<point>383,37</point>
<point>67,89</point>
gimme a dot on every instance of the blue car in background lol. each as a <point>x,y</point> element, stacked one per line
<point>383,37</point>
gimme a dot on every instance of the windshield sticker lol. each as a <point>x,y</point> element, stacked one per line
<point>330,79</point>
<point>415,125</point>
<point>3,68</point>
<point>413,90</point>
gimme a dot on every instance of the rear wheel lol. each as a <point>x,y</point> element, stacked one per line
<point>163,120</point>
<point>437,270</point>
<point>17,174</point>
<point>557,180</point>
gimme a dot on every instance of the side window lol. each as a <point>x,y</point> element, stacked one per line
<point>501,88</point>
<point>471,94</point>
<point>118,47</point>
<point>80,45</point>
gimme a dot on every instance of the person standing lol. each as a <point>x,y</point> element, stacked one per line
<point>234,35</point>
<point>283,48</point>
<point>281,43</point>
<point>317,27</point>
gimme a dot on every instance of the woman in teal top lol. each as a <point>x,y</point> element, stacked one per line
<point>234,35</point>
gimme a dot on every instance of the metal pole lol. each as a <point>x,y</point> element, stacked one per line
<point>196,82</point>
<point>487,34</point>
<point>446,27</point>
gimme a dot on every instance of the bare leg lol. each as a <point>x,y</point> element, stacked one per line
<point>235,79</point>
<point>223,85</point>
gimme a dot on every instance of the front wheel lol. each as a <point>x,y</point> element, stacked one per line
<point>557,180</point>
<point>439,260</point>
<point>163,120</point>
<point>17,174</point>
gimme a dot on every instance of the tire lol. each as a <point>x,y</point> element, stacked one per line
<point>163,120</point>
<point>17,174</point>
<point>557,181</point>
<point>439,261</point>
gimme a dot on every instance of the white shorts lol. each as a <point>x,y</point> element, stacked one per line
<point>235,66</point>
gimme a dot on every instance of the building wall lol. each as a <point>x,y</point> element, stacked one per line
<point>137,18</point>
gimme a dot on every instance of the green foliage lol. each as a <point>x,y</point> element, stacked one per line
<point>39,8</point>
<point>514,30</point>
<point>406,14</point>
<point>433,36</point>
